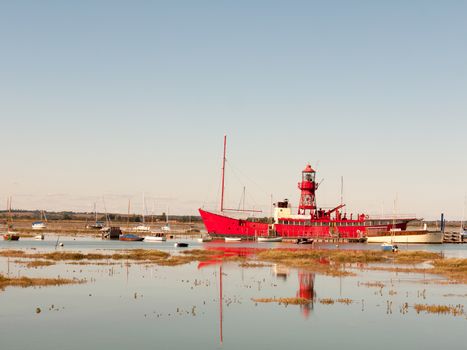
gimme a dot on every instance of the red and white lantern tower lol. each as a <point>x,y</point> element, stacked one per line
<point>307,188</point>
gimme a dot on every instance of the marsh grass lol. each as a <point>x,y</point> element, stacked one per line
<point>25,282</point>
<point>138,255</point>
<point>453,269</point>
<point>345,301</point>
<point>328,262</point>
<point>457,310</point>
<point>35,263</point>
<point>285,301</point>
<point>376,284</point>
<point>327,301</point>
<point>254,264</point>
<point>333,262</point>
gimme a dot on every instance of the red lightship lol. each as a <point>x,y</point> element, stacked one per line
<point>310,221</point>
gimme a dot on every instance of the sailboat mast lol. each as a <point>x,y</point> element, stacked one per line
<point>9,214</point>
<point>144,206</point>
<point>128,217</point>
<point>463,214</point>
<point>223,173</point>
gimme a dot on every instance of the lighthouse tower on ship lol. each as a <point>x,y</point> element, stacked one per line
<point>307,189</point>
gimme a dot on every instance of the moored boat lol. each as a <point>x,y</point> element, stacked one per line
<point>407,237</point>
<point>158,237</point>
<point>142,228</point>
<point>130,237</point>
<point>39,225</point>
<point>181,245</point>
<point>232,239</point>
<point>304,241</point>
<point>11,237</point>
<point>389,247</point>
<point>269,239</point>
<point>39,237</point>
<point>205,238</point>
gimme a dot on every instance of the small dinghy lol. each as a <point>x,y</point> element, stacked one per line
<point>389,247</point>
<point>304,241</point>
<point>269,239</point>
<point>232,239</point>
<point>181,245</point>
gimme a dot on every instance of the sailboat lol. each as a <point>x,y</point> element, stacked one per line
<point>463,229</point>
<point>143,227</point>
<point>97,225</point>
<point>391,246</point>
<point>9,235</point>
<point>166,227</point>
<point>41,224</point>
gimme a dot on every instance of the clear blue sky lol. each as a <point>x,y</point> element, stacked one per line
<point>118,98</point>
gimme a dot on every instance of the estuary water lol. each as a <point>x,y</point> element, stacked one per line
<point>128,305</point>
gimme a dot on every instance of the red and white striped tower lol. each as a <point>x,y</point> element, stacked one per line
<point>307,187</point>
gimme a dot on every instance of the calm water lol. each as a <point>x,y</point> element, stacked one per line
<point>146,306</point>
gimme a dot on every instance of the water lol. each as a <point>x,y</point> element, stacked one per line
<point>143,306</point>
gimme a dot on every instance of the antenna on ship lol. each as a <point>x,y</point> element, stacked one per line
<point>342,190</point>
<point>223,173</point>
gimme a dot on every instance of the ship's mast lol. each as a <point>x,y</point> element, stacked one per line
<point>223,173</point>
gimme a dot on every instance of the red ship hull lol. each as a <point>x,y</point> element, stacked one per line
<point>224,226</point>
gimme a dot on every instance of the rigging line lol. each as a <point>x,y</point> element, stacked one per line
<point>241,183</point>
<point>246,177</point>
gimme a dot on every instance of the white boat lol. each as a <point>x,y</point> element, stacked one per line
<point>166,227</point>
<point>408,237</point>
<point>181,245</point>
<point>39,237</point>
<point>205,238</point>
<point>232,239</point>
<point>39,225</point>
<point>142,228</point>
<point>269,239</point>
<point>159,237</point>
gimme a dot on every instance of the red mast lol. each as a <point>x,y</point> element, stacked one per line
<point>223,173</point>
<point>307,187</point>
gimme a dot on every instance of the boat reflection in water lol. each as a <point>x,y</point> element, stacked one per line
<point>306,286</point>
<point>306,291</point>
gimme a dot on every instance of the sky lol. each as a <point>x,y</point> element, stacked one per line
<point>102,101</point>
